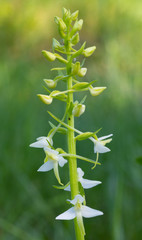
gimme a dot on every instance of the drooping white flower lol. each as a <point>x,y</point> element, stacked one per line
<point>99,144</point>
<point>42,142</point>
<point>51,161</point>
<point>86,184</point>
<point>79,211</point>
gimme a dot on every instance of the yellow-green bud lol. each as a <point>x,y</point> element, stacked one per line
<point>45,98</point>
<point>78,110</point>
<point>76,68</point>
<point>61,23</point>
<point>74,15</point>
<point>77,26</point>
<point>50,83</point>
<point>65,12</point>
<point>56,45</point>
<point>96,90</point>
<point>48,55</point>
<point>89,51</point>
<point>82,72</point>
<point>75,39</point>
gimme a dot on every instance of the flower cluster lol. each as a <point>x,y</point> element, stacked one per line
<point>69,27</point>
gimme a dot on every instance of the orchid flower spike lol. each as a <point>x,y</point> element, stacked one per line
<point>42,142</point>
<point>99,143</point>
<point>51,161</point>
<point>79,211</point>
<point>86,184</point>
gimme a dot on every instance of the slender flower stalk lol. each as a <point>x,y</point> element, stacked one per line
<point>66,53</point>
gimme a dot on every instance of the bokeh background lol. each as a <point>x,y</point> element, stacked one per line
<point>28,202</point>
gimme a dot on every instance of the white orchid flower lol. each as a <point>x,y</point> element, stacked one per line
<point>79,211</point>
<point>86,184</point>
<point>42,142</point>
<point>51,161</point>
<point>99,143</point>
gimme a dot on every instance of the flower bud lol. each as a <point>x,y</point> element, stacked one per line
<point>76,68</point>
<point>96,90</point>
<point>45,98</point>
<point>50,83</point>
<point>78,110</point>
<point>56,45</point>
<point>60,22</point>
<point>48,55</point>
<point>82,72</point>
<point>74,15</point>
<point>89,51</point>
<point>77,26</point>
<point>75,39</point>
<point>65,13</point>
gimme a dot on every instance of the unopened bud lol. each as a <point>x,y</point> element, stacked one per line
<point>82,72</point>
<point>48,55</point>
<point>75,39</point>
<point>56,45</point>
<point>96,90</point>
<point>89,51</point>
<point>60,22</point>
<point>45,98</point>
<point>50,83</point>
<point>76,68</point>
<point>78,110</point>
<point>77,26</point>
<point>74,15</point>
<point>65,12</point>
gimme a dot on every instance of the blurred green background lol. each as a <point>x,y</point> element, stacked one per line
<point>28,202</point>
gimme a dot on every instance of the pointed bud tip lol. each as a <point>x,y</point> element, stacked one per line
<point>45,98</point>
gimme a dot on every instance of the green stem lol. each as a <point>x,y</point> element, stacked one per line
<point>71,137</point>
<point>72,160</point>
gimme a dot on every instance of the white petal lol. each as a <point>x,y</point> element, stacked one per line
<point>86,184</point>
<point>80,173</point>
<point>39,138</point>
<point>88,212</point>
<point>42,143</point>
<point>100,148</point>
<point>62,161</point>
<point>104,137</point>
<point>49,150</point>
<point>67,188</point>
<point>46,167</point>
<point>77,198</point>
<point>68,215</point>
